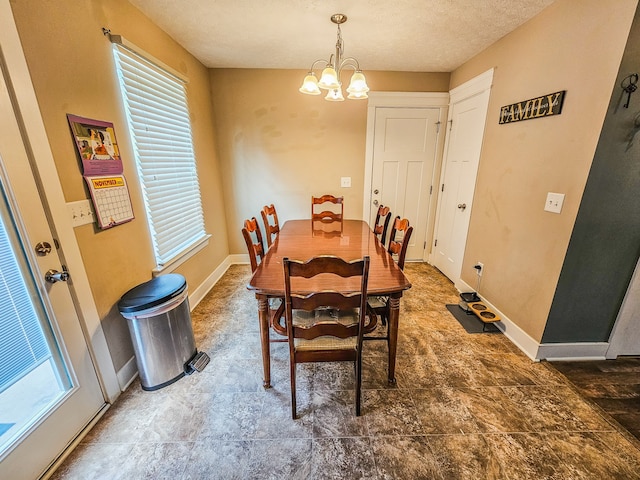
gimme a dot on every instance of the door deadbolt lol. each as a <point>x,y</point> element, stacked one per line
<point>462,206</point>
<point>43,248</point>
<point>53,276</point>
<point>376,191</point>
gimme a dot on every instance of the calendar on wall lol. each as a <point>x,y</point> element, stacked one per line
<point>110,200</point>
<point>102,170</point>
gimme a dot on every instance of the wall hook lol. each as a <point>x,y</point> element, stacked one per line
<point>629,84</point>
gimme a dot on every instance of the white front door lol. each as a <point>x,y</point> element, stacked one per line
<point>462,154</point>
<point>404,159</point>
<point>49,390</point>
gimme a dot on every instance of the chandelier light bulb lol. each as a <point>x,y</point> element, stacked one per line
<point>329,79</point>
<point>335,95</point>
<point>310,85</point>
<point>357,96</point>
<point>358,85</point>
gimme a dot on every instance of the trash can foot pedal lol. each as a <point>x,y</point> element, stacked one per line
<point>197,363</point>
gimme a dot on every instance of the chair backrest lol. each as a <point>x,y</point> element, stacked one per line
<point>327,215</point>
<point>270,227</point>
<point>381,228</point>
<point>323,265</point>
<point>256,249</point>
<point>399,247</point>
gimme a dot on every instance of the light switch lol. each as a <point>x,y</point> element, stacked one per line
<point>81,212</point>
<point>345,181</point>
<point>554,202</point>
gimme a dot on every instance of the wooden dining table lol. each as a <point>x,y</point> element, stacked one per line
<point>348,239</point>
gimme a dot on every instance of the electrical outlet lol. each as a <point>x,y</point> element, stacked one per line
<point>81,212</point>
<point>554,202</point>
<point>479,266</point>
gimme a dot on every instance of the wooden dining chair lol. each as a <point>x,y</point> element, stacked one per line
<point>325,325</point>
<point>398,247</point>
<point>380,229</point>
<point>327,215</point>
<point>251,231</point>
<point>270,220</point>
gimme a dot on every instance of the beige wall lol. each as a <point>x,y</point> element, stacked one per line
<point>573,45</point>
<point>279,146</point>
<point>72,68</point>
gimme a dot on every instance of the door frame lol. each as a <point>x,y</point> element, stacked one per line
<point>468,89</point>
<point>36,143</point>
<point>403,100</point>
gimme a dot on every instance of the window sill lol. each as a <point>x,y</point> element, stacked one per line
<point>183,257</point>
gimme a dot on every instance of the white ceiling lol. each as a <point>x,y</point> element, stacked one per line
<point>392,35</point>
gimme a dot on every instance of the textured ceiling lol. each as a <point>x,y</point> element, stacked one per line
<point>392,35</point>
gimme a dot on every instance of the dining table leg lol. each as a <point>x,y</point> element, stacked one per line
<point>394,316</point>
<point>263,317</point>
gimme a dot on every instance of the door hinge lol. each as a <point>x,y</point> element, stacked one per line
<point>436,243</point>
<point>430,189</point>
<point>442,189</point>
<point>450,122</point>
<point>425,245</point>
<point>438,126</point>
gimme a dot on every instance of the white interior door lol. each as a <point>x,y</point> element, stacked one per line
<point>467,118</point>
<point>404,158</point>
<point>44,404</point>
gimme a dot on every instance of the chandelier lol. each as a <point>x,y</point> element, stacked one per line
<point>330,77</point>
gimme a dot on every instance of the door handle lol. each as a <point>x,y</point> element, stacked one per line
<point>53,276</point>
<point>462,206</point>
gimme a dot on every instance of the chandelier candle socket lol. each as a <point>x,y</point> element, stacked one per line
<point>330,77</point>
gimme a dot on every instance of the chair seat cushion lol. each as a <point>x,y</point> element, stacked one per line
<point>326,342</point>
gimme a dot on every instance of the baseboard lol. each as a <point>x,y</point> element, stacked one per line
<point>573,351</point>
<point>201,291</point>
<point>127,373</point>
<point>543,351</point>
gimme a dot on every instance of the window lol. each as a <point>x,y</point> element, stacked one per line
<point>22,343</point>
<point>156,105</point>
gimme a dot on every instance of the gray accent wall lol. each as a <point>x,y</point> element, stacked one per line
<point>605,243</point>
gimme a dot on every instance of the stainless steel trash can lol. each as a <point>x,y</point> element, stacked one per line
<point>159,321</point>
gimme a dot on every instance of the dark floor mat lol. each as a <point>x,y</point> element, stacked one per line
<point>471,323</point>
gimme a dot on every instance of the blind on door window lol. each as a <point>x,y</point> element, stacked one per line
<point>160,128</point>
<point>22,342</point>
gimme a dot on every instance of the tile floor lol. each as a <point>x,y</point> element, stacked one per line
<point>465,406</point>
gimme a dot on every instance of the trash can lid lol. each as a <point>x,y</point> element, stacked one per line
<point>156,291</point>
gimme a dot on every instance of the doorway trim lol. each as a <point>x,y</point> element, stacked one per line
<point>36,142</point>
<point>475,86</point>
<point>397,100</point>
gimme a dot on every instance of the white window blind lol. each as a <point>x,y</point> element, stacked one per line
<point>22,343</point>
<point>160,128</point>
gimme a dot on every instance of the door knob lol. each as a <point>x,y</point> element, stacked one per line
<point>53,276</point>
<point>375,202</point>
<point>462,206</point>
